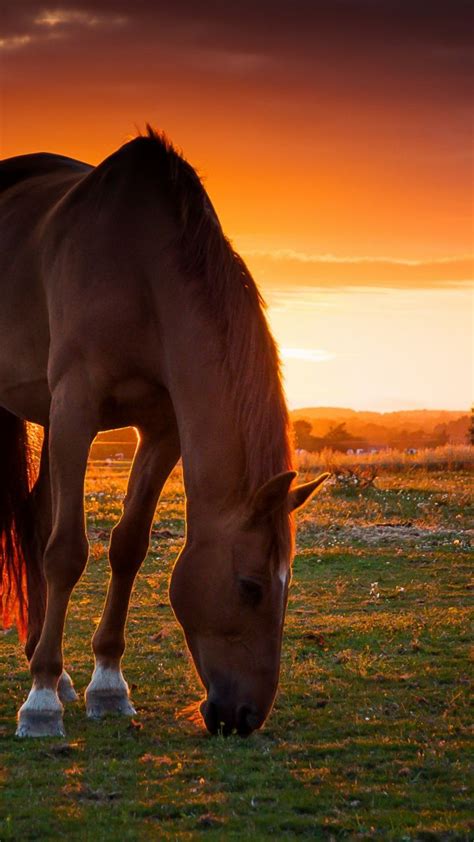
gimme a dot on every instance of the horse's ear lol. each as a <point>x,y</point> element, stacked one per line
<point>271,495</point>
<point>299,495</point>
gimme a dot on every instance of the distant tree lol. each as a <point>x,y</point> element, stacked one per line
<point>471,428</point>
<point>339,438</point>
<point>440,435</point>
<point>339,433</point>
<point>304,439</point>
<point>303,434</point>
<point>458,430</point>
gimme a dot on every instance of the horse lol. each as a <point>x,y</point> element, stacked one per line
<point>124,304</point>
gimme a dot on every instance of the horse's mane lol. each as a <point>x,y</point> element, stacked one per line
<point>250,354</point>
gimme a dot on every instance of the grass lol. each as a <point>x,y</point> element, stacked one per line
<point>369,735</point>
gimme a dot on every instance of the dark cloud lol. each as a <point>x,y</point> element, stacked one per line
<point>428,38</point>
<point>421,21</point>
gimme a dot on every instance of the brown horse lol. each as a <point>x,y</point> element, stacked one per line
<point>124,304</point>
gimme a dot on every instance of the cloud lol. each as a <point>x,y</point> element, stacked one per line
<point>28,23</point>
<point>15,42</point>
<point>61,17</point>
<point>309,257</point>
<point>287,268</point>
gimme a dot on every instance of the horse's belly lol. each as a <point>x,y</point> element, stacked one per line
<point>24,346</point>
<point>27,400</point>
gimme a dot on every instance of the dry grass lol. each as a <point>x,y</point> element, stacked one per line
<point>450,456</point>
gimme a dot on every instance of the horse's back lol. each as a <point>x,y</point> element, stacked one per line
<point>14,171</point>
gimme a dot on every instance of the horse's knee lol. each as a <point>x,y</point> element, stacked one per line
<point>65,559</point>
<point>127,551</point>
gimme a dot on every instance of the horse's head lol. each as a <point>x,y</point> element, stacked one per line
<point>229,591</point>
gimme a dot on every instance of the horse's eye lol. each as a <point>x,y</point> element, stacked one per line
<point>251,591</point>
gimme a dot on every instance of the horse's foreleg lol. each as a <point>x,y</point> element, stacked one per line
<point>71,432</point>
<point>39,530</point>
<point>154,460</point>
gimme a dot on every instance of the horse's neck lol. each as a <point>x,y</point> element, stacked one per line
<point>211,443</point>
<point>212,451</point>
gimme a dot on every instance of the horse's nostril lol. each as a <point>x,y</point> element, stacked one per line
<point>225,720</point>
<point>247,720</point>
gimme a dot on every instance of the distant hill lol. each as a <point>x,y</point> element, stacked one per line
<point>427,418</point>
<point>406,428</point>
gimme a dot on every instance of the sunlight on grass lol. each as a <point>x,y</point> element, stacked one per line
<point>368,737</point>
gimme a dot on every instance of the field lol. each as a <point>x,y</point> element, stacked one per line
<point>369,735</point>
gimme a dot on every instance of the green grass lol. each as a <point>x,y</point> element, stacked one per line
<point>369,735</point>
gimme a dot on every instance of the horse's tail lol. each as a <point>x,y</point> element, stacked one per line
<point>16,522</point>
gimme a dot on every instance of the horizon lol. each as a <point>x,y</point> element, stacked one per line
<point>336,147</point>
<point>380,412</point>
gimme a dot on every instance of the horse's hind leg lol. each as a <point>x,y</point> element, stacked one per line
<point>39,530</point>
<point>71,431</point>
<point>156,456</point>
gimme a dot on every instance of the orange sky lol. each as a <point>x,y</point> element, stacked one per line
<point>334,138</point>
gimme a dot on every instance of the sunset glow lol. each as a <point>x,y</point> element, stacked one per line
<point>334,142</point>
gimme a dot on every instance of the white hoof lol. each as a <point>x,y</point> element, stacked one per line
<point>41,715</point>
<point>108,693</point>
<point>66,690</point>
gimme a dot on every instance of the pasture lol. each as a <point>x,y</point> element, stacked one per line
<point>369,735</point>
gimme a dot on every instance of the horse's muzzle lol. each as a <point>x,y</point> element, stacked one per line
<point>223,719</point>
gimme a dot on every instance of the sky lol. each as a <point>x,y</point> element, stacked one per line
<point>335,140</point>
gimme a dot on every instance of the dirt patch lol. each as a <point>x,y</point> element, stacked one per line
<point>394,534</point>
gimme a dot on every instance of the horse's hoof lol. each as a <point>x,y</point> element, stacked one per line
<point>40,724</point>
<point>101,703</point>
<point>66,691</point>
<point>41,715</point>
<point>108,693</point>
